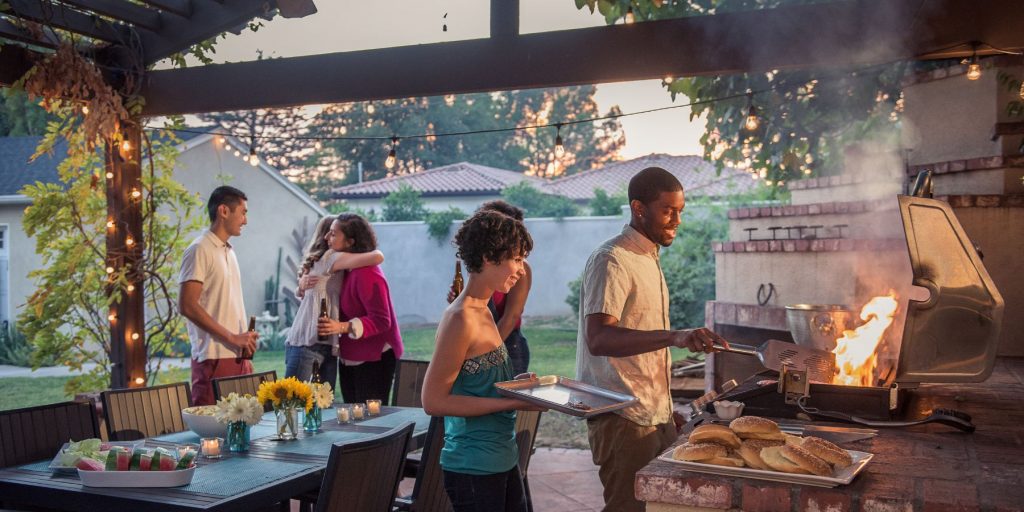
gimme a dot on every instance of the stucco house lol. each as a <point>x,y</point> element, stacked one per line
<point>276,207</point>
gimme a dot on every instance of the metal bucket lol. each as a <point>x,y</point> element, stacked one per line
<point>818,325</point>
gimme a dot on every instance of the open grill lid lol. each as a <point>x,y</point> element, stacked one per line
<point>953,336</point>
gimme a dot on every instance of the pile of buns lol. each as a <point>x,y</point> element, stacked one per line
<point>755,442</point>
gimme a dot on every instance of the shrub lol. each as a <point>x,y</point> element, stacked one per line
<point>538,204</point>
<point>604,204</point>
<point>439,223</point>
<point>403,204</point>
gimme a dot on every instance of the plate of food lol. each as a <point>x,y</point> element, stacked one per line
<point>140,467</point>
<point>754,447</point>
<point>72,452</point>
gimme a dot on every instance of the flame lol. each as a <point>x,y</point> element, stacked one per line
<point>856,352</point>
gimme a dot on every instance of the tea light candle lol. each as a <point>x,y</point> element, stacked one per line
<point>344,415</point>
<point>211,447</point>
<point>373,407</point>
<point>185,448</point>
<point>357,411</point>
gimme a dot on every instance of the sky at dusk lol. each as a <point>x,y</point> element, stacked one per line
<point>344,25</point>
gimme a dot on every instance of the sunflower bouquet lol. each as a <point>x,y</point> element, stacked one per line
<point>286,396</point>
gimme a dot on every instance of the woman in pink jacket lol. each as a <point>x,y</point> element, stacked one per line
<point>369,342</point>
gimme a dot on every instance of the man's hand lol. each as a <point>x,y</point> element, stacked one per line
<point>679,422</point>
<point>697,340</point>
<point>244,340</point>
<point>308,281</point>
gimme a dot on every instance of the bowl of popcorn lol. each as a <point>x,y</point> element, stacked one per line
<point>201,419</point>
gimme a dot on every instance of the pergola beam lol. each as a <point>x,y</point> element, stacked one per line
<point>127,12</point>
<point>827,35</point>
<point>181,8</point>
<point>206,19</point>
<point>60,16</point>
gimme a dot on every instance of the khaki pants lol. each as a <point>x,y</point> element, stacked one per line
<point>621,448</point>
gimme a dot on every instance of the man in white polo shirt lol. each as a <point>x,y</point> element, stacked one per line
<point>624,337</point>
<point>211,297</point>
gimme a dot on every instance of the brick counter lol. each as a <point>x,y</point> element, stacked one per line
<point>919,469</point>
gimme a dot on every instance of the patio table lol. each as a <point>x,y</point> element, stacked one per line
<point>271,471</point>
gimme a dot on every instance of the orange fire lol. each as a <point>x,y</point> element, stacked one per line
<point>856,356</point>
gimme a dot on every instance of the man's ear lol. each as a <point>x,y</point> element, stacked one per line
<point>636,208</point>
<point>223,211</point>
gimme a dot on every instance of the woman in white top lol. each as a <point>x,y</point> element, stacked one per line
<point>322,274</point>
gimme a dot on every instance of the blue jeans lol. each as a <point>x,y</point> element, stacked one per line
<point>486,493</point>
<point>298,363</point>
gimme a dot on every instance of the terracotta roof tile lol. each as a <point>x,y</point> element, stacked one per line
<point>462,178</point>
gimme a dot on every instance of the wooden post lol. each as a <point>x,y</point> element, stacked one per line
<point>125,195</point>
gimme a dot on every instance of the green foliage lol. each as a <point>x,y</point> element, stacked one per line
<point>15,350</point>
<point>573,299</point>
<point>587,145</point>
<point>439,223</point>
<point>343,207</point>
<point>20,115</point>
<point>403,204</point>
<point>538,204</point>
<point>604,204</point>
<point>66,318</point>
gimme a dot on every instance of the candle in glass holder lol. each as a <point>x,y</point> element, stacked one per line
<point>344,414</point>
<point>185,448</point>
<point>357,411</point>
<point>210,447</point>
<point>373,407</point>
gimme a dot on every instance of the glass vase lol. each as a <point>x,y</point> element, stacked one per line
<point>238,436</point>
<point>287,422</point>
<point>313,419</point>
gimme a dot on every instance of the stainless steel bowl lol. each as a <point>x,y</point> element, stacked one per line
<point>818,325</point>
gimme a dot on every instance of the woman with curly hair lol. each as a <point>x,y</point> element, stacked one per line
<point>480,457</point>
<point>370,343</point>
<point>320,278</point>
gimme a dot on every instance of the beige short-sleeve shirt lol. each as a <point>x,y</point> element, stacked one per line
<point>211,261</point>
<point>623,279</point>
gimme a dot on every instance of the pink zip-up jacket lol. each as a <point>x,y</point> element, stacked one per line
<point>365,295</point>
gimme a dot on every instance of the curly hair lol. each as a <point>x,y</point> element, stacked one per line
<point>317,246</point>
<point>491,236</point>
<point>503,207</point>
<point>359,231</point>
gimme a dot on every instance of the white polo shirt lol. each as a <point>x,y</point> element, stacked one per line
<point>212,262</point>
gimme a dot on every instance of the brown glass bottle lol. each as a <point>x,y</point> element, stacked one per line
<point>457,281</point>
<point>323,314</point>
<point>246,353</point>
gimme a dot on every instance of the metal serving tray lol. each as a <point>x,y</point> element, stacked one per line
<point>566,395</point>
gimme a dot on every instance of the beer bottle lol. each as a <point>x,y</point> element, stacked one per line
<point>457,282</point>
<point>246,353</point>
<point>323,314</point>
<point>314,378</point>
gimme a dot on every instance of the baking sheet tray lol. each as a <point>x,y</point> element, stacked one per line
<point>841,477</point>
<point>559,394</point>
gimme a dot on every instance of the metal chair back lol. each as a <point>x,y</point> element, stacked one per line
<point>428,494</point>
<point>136,413</point>
<point>37,433</point>
<point>527,423</point>
<point>409,375</point>
<point>363,476</point>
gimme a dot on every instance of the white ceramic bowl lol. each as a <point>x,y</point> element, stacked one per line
<point>200,419</point>
<point>728,410</point>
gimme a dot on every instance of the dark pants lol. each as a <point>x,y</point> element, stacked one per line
<point>371,379</point>
<point>298,363</point>
<point>518,351</point>
<point>486,493</point>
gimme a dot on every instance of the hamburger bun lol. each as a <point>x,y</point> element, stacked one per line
<point>805,460</point>
<point>698,452</point>
<point>771,436</point>
<point>827,451</point>
<point>750,451</point>
<point>753,425</point>
<point>731,460</point>
<point>715,434</point>
<point>772,456</point>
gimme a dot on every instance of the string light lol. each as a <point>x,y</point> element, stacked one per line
<point>85,110</point>
<point>129,241</point>
<point>253,159</point>
<point>974,69</point>
<point>131,288</point>
<point>752,121</point>
<point>559,147</point>
<point>110,175</point>
<point>238,153</point>
<point>110,270</point>
<point>140,380</point>
<point>1022,90</point>
<point>135,336</point>
<point>110,224</point>
<point>112,317</point>
<point>389,162</point>
<point>126,146</point>
<point>136,193</point>
<point>629,16</point>
<point>668,80</point>
<point>219,139</point>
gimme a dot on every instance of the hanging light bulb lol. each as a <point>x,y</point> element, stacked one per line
<point>129,241</point>
<point>110,175</point>
<point>136,193</point>
<point>559,147</point>
<point>629,16</point>
<point>974,69</point>
<point>390,161</point>
<point>319,145</point>
<point>752,121</point>
<point>254,160</point>
<point>238,153</point>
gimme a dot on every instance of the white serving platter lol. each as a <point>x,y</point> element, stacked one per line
<point>175,478</point>
<point>56,467</point>
<point>841,477</point>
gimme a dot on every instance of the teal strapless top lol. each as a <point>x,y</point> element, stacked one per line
<point>481,445</point>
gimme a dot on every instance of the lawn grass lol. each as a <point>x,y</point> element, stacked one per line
<point>552,352</point>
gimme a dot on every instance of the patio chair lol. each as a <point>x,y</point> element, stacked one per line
<point>526,432</point>
<point>243,384</point>
<point>37,433</point>
<point>409,375</point>
<point>137,413</point>
<point>363,476</point>
<point>428,494</point>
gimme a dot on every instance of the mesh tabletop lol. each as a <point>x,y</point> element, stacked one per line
<point>391,417</point>
<point>262,429</point>
<point>316,444</point>
<point>229,477</point>
<point>42,467</point>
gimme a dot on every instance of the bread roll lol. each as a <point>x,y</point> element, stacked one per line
<point>772,456</point>
<point>698,452</point>
<point>773,436</point>
<point>829,452</point>
<point>750,451</point>
<point>753,425</point>
<point>715,434</point>
<point>732,461</point>
<point>805,460</point>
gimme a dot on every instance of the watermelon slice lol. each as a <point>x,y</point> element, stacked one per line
<point>167,463</point>
<point>157,463</point>
<point>136,460</point>
<point>123,459</point>
<point>112,459</point>
<point>145,462</point>
<point>87,464</point>
<point>187,459</point>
